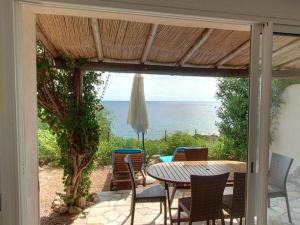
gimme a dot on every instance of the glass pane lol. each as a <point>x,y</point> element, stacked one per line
<point>284,168</point>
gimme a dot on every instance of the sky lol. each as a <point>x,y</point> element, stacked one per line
<point>161,88</point>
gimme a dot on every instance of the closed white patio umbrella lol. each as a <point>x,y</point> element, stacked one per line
<point>137,113</point>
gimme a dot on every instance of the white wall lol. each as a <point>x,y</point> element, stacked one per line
<point>279,11</point>
<point>287,136</point>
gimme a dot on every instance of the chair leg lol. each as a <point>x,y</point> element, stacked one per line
<point>207,222</point>
<point>241,220</point>
<point>132,212</point>
<point>165,212</point>
<point>231,221</point>
<point>178,216</point>
<point>160,208</point>
<point>223,221</point>
<point>269,203</point>
<point>111,186</point>
<point>288,207</point>
<point>214,222</point>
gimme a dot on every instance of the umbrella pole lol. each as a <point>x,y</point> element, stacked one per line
<point>143,137</point>
<point>138,137</point>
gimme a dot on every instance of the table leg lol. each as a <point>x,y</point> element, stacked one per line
<point>169,201</point>
<point>173,194</point>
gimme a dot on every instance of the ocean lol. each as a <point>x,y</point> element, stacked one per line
<point>166,115</point>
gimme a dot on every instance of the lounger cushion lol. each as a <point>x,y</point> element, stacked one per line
<point>166,158</point>
<point>128,150</point>
<point>181,149</point>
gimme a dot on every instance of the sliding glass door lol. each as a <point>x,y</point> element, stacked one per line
<point>274,159</point>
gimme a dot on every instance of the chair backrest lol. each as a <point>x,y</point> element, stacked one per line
<point>279,170</point>
<point>178,156</point>
<point>128,163</point>
<point>196,154</point>
<point>239,195</point>
<point>119,165</point>
<point>207,197</point>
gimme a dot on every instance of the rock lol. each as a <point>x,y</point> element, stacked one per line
<point>57,197</point>
<point>63,209</point>
<point>95,198</point>
<point>89,204</point>
<point>154,159</point>
<point>56,204</point>
<point>56,209</point>
<point>74,210</point>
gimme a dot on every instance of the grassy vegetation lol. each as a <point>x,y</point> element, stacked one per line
<point>49,151</point>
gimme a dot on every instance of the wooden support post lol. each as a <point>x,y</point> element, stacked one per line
<point>165,135</point>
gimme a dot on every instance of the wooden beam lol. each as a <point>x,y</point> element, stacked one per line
<point>40,36</point>
<point>149,42</point>
<point>232,67</point>
<point>97,37</point>
<point>287,74</point>
<point>160,63</point>
<point>234,53</point>
<point>178,70</point>
<point>163,70</point>
<point>286,48</point>
<point>122,61</point>
<point>202,39</point>
<point>198,66</point>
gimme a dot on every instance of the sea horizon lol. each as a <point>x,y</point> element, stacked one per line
<point>170,116</point>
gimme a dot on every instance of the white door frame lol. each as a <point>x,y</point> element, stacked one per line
<point>253,137</point>
<point>18,93</point>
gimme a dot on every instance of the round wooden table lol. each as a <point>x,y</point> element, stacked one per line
<point>180,172</point>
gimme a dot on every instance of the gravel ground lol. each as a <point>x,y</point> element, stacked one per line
<point>51,183</point>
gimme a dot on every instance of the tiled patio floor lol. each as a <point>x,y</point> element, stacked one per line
<point>114,207</point>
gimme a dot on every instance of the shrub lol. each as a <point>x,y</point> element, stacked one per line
<point>48,148</point>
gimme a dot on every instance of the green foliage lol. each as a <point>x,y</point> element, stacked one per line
<point>155,147</point>
<point>179,139</point>
<point>69,105</point>
<point>48,148</point>
<point>233,114</point>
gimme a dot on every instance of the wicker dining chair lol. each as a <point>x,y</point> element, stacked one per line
<point>153,193</point>
<point>278,173</point>
<point>196,154</point>
<point>205,203</point>
<point>234,204</point>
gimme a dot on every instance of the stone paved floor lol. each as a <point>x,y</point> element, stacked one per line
<point>114,207</point>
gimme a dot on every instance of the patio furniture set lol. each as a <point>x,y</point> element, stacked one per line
<point>189,168</point>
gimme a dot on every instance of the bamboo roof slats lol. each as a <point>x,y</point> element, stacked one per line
<point>159,48</point>
<point>286,53</point>
<point>242,49</point>
<point>41,37</point>
<point>280,41</point>
<point>68,34</point>
<point>171,43</point>
<point>220,44</point>
<point>201,41</point>
<point>123,40</point>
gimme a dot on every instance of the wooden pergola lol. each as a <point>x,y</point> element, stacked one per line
<point>127,46</point>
